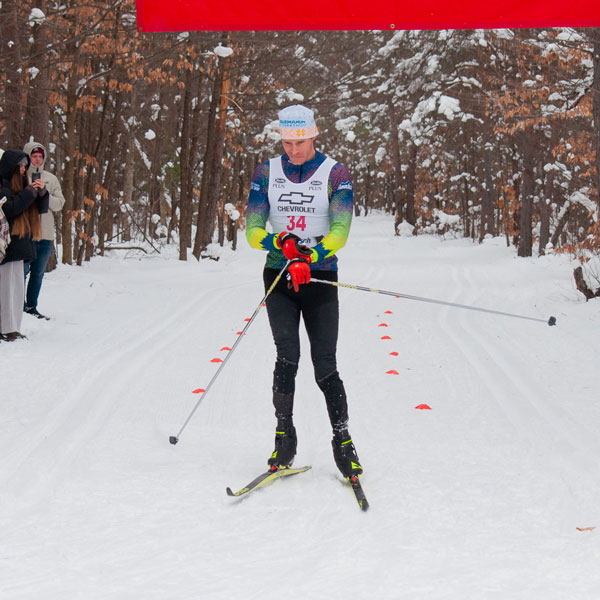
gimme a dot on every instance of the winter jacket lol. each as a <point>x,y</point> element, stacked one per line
<point>57,200</point>
<point>20,248</point>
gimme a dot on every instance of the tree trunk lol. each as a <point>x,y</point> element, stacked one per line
<point>52,261</point>
<point>411,175</point>
<point>11,120</point>
<point>487,202</point>
<point>545,210</point>
<point>512,225</point>
<point>397,166</point>
<point>211,176</point>
<point>155,168</point>
<point>232,232</point>
<point>69,173</point>
<point>221,227</point>
<point>81,187</point>
<point>548,197</point>
<point>106,210</point>
<point>582,286</point>
<point>37,114</point>
<point>128,179</point>
<point>208,165</point>
<point>526,212</point>
<point>186,195</point>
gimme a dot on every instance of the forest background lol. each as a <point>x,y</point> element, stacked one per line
<point>154,137</point>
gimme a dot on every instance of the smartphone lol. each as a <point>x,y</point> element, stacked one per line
<point>35,176</point>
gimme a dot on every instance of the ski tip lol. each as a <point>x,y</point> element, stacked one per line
<point>229,491</point>
<point>173,439</point>
<point>364,505</point>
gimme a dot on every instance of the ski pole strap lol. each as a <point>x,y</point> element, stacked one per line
<point>551,321</point>
<point>174,439</point>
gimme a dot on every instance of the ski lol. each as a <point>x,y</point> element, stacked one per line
<point>267,477</point>
<point>358,492</point>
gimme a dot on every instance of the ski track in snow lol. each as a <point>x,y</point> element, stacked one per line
<point>544,427</point>
<point>503,377</point>
<point>476,499</point>
<point>72,422</point>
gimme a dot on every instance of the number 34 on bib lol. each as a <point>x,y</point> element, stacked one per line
<point>296,223</point>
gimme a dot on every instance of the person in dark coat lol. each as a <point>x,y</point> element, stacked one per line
<point>23,205</point>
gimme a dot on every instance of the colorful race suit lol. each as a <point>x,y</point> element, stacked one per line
<point>313,200</point>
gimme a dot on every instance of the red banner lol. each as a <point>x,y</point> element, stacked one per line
<point>303,15</point>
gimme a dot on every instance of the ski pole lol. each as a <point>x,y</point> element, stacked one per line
<point>173,439</point>
<point>551,321</point>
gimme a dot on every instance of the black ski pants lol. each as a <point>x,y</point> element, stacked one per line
<point>318,306</point>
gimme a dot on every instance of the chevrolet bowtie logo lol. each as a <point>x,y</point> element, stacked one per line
<point>295,198</point>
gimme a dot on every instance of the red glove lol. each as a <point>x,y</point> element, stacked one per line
<point>299,273</point>
<point>291,247</point>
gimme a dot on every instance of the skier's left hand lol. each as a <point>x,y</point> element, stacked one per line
<point>299,273</point>
<point>291,247</point>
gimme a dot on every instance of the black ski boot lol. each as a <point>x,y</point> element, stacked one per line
<point>285,448</point>
<point>345,455</point>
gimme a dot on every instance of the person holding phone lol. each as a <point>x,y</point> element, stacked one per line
<point>35,270</point>
<point>23,205</point>
<point>308,199</point>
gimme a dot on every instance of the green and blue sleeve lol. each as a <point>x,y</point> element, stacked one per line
<point>257,211</point>
<point>341,207</point>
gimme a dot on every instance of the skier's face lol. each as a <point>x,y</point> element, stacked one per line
<point>299,151</point>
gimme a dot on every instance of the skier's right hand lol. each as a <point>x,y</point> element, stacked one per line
<point>299,272</point>
<point>291,247</point>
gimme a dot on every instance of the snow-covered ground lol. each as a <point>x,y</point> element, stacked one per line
<point>478,498</point>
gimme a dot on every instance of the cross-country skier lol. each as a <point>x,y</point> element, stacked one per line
<point>307,197</point>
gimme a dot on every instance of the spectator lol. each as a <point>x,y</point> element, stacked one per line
<point>36,268</point>
<point>23,206</point>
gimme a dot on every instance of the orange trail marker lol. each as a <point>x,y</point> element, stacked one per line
<point>225,348</point>
<point>382,325</point>
<point>247,319</point>
<point>198,391</point>
<point>238,333</point>
<point>585,528</point>
<point>388,312</point>
<point>393,353</point>
<point>423,407</point>
<point>217,360</point>
<point>392,372</point>
<point>386,337</point>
